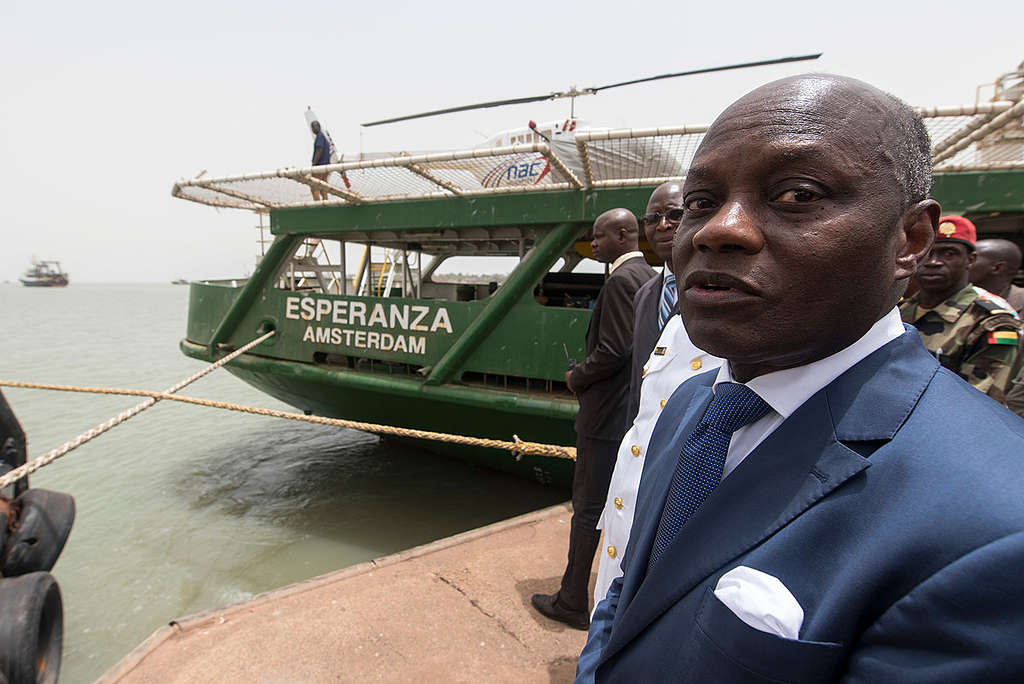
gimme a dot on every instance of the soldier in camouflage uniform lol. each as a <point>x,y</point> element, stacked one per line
<point>994,269</point>
<point>972,332</point>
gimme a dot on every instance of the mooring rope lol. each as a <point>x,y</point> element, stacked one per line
<point>518,446</point>
<point>52,455</point>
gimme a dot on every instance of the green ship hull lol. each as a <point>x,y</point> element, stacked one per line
<point>490,368</point>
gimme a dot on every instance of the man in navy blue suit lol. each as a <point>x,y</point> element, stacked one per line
<point>831,504</point>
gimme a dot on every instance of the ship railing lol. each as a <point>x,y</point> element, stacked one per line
<point>977,137</point>
<point>475,172</point>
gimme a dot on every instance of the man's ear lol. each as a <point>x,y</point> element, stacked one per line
<point>918,227</point>
<point>972,256</point>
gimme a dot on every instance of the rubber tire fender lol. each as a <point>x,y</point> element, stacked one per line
<point>44,523</point>
<point>31,629</point>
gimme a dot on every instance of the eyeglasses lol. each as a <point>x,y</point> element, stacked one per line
<point>671,216</point>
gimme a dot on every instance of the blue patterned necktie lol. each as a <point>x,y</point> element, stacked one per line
<point>700,465</point>
<point>668,299</point>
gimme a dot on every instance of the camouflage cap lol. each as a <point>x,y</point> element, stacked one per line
<point>957,229</point>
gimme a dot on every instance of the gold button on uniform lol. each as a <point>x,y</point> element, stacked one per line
<point>662,403</point>
<point>611,552</point>
<point>635,450</point>
<point>618,502</point>
<point>645,372</point>
<point>696,364</point>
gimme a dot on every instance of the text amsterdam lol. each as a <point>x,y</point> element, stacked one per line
<point>396,322</point>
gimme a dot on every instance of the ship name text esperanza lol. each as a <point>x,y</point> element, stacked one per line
<point>391,317</point>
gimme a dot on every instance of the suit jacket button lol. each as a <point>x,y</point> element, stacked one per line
<point>618,502</point>
<point>663,403</point>
<point>611,552</point>
<point>696,364</point>
<point>635,450</point>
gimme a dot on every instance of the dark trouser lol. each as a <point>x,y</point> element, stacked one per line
<point>595,460</point>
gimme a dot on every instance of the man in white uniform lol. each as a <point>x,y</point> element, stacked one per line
<point>673,361</point>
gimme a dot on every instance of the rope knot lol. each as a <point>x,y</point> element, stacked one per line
<point>520,447</point>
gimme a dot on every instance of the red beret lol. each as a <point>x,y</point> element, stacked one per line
<point>957,229</point>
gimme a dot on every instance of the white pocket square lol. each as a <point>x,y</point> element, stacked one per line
<point>761,601</point>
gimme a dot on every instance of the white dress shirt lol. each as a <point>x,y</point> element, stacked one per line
<point>673,360</point>
<point>786,390</point>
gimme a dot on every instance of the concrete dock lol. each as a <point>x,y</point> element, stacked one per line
<point>456,610</point>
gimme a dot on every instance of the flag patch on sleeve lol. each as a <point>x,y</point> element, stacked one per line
<point>1002,337</point>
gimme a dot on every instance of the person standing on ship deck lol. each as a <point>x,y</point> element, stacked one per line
<point>321,156</point>
<point>663,358</point>
<point>601,384</point>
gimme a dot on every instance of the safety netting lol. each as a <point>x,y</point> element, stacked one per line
<point>979,137</point>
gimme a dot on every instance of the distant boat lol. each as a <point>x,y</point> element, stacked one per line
<point>44,274</point>
<point>179,281</point>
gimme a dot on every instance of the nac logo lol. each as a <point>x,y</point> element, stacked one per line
<point>523,169</point>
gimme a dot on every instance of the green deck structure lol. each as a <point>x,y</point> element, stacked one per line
<point>508,337</point>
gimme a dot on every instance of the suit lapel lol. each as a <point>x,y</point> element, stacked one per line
<point>800,463</point>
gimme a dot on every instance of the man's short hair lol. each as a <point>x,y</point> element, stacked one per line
<point>910,153</point>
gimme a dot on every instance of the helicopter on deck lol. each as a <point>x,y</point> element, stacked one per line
<point>532,167</point>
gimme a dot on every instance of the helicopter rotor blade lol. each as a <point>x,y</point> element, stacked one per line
<point>708,70</point>
<point>585,91</point>
<point>464,108</point>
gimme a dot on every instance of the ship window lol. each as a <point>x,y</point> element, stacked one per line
<point>568,290</point>
<point>471,269</point>
<point>466,278</point>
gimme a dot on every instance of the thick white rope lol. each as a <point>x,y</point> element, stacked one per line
<point>519,446</point>
<point>52,455</point>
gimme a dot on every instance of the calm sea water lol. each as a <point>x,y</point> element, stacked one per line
<point>184,509</point>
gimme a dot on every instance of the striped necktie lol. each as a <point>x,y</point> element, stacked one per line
<point>700,465</point>
<point>668,299</point>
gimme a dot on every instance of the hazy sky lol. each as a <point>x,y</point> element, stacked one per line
<point>105,104</point>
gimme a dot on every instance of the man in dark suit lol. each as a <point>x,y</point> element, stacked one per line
<point>869,526</point>
<point>601,384</point>
<point>655,301</point>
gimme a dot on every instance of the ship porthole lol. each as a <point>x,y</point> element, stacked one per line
<point>265,326</point>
